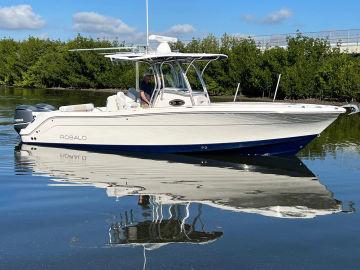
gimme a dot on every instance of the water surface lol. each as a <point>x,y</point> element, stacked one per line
<point>67,209</point>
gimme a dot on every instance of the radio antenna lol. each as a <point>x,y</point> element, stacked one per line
<point>147,24</point>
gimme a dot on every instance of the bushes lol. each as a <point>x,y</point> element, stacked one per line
<point>310,68</point>
<point>44,63</point>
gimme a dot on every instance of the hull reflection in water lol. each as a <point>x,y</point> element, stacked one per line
<point>270,186</point>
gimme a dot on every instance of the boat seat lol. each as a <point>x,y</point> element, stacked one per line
<point>77,108</point>
<point>111,104</point>
<point>120,101</point>
<point>126,101</point>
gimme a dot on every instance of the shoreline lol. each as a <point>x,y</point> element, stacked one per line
<point>224,98</point>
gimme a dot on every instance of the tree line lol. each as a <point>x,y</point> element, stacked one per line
<point>310,67</point>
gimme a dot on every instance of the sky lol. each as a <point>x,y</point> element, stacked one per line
<point>125,19</point>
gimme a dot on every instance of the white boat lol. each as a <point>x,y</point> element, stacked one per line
<point>279,187</point>
<point>180,118</point>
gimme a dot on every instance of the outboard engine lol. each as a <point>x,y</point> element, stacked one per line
<point>24,114</point>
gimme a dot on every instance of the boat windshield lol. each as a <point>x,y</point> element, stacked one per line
<point>172,77</point>
<point>180,76</point>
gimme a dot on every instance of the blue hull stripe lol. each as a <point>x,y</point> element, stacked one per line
<point>285,146</point>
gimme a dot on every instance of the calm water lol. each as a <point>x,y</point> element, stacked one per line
<point>66,209</point>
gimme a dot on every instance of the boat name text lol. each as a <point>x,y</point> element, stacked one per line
<point>73,137</point>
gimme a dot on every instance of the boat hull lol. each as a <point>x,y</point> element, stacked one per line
<point>283,146</point>
<point>222,128</point>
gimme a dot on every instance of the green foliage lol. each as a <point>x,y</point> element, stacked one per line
<point>310,68</point>
<point>47,64</point>
<point>9,70</point>
<point>343,133</point>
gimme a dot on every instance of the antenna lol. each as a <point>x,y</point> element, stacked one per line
<point>147,23</point>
